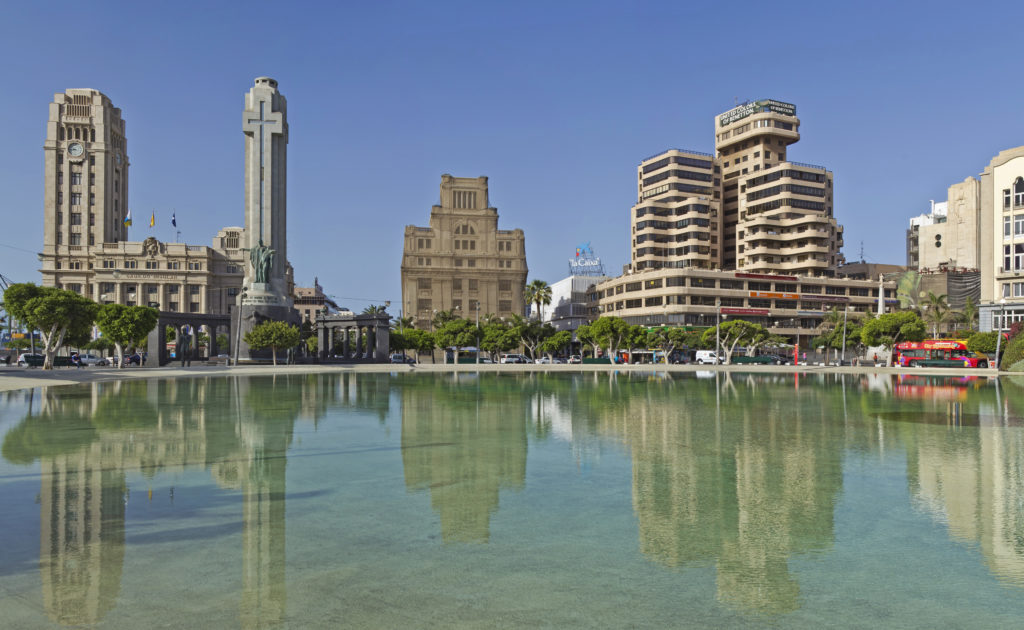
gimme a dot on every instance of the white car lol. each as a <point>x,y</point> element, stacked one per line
<point>708,356</point>
<point>513,358</point>
<point>92,359</point>
<point>547,361</point>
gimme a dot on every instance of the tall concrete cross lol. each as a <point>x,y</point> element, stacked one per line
<point>265,125</point>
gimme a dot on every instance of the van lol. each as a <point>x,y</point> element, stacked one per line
<point>708,356</point>
<point>514,358</point>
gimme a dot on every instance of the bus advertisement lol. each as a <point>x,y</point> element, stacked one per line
<point>938,353</point>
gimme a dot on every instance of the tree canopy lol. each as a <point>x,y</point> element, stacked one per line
<point>59,315</point>
<point>889,329</point>
<point>125,325</point>
<point>273,335</point>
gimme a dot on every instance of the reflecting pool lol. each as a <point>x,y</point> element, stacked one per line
<point>585,500</point>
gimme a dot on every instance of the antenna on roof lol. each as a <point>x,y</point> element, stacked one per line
<point>862,251</point>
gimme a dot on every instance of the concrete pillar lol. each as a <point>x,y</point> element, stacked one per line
<point>322,335</point>
<point>371,343</point>
<point>329,348</point>
<point>345,343</point>
<point>359,342</point>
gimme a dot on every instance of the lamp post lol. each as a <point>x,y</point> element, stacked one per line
<point>846,312</point>
<point>999,329</point>
<point>718,328</point>
<point>478,332</point>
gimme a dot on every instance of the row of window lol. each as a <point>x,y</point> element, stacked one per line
<point>673,238</point>
<point>775,204</point>
<point>677,159</point>
<point>677,173</point>
<point>791,173</point>
<point>427,305</point>
<point>669,212</point>
<point>792,188</point>
<point>751,285</point>
<point>673,251</point>
<point>668,225</point>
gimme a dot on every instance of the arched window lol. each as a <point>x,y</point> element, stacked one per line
<point>62,133</point>
<point>92,135</point>
<point>1018,192</point>
<point>78,133</point>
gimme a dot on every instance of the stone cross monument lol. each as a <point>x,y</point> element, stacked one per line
<point>265,124</point>
<point>265,289</point>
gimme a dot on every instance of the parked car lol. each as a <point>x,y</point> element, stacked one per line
<point>708,356</point>
<point>92,359</point>
<point>26,358</point>
<point>132,359</point>
<point>549,361</point>
<point>402,359</point>
<point>513,358</point>
<point>575,359</point>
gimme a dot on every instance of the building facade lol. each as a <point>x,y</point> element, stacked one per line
<point>310,301</point>
<point>747,207</point>
<point>785,304</point>
<point>463,262</point>
<point>85,235</point>
<point>571,302</point>
<point>1002,241</point>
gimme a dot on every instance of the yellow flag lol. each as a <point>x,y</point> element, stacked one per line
<point>152,219</point>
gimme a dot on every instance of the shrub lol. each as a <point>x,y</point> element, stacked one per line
<point>1014,351</point>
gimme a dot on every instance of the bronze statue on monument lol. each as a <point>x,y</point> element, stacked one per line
<point>262,259</point>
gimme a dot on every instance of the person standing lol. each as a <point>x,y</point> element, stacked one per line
<point>185,346</point>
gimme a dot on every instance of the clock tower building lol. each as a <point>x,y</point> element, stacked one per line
<point>86,180</point>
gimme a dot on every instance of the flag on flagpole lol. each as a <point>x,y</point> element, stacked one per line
<point>128,219</point>
<point>174,221</point>
<point>152,219</point>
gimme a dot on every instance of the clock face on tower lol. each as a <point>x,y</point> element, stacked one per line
<point>75,149</point>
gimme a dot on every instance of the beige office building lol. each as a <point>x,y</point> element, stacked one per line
<point>1002,241</point>
<point>748,207</point>
<point>463,260</point>
<point>85,246</point>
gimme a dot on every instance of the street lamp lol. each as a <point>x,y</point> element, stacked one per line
<point>999,329</point>
<point>846,311</point>
<point>478,332</point>
<point>718,328</point>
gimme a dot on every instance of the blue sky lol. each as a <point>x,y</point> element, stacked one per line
<point>556,102</point>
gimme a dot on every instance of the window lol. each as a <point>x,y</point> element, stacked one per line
<point>1018,224</point>
<point>92,199</point>
<point>504,306</point>
<point>193,289</point>
<point>172,289</point>
<point>1006,225</point>
<point>504,285</point>
<point>456,305</point>
<point>131,264</point>
<point>458,262</point>
<point>108,264</point>
<point>423,305</point>
<point>174,265</point>
<point>1006,198</point>
<point>233,269</point>
<point>92,179</point>
<point>1018,256</point>
<point>1018,192</point>
<point>117,185</point>
<point>633,286</point>
<point>92,219</point>
<point>195,266</point>
<point>637,303</point>
<point>835,290</point>
<point>704,283</point>
<point>152,264</point>
<point>76,179</point>
<point>76,239</point>
<point>92,160</point>
<point>423,284</point>
<point>76,218</point>
<point>193,307</point>
<point>471,262</point>
<point>1006,257</point>
<point>60,196</point>
<point>473,285</point>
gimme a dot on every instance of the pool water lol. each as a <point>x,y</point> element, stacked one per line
<point>596,499</point>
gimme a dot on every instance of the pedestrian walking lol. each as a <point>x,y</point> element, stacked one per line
<point>876,357</point>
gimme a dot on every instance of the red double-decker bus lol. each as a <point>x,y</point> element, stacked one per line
<point>938,353</point>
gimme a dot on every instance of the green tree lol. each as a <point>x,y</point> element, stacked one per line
<point>539,293</point>
<point>668,339</point>
<point>312,344</point>
<point>420,341</point>
<point>443,317</point>
<point>455,334</point>
<point>556,343</point>
<point>889,329</point>
<point>531,333</point>
<point>936,311</point>
<point>585,334</point>
<point>397,341</point>
<point>969,314</point>
<point>20,344</point>
<point>498,337</point>
<point>273,335</point>
<point>635,338</point>
<point>125,325</point>
<point>983,342</point>
<point>611,332</point>
<point>56,313</point>
<point>732,333</point>
<point>401,323</point>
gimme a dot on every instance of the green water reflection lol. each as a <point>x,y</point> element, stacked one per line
<point>741,475</point>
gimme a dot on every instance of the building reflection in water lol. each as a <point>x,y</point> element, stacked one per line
<point>741,489</point>
<point>88,438</point>
<point>463,449</point>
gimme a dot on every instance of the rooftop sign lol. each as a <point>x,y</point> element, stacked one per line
<point>585,263</point>
<point>764,105</point>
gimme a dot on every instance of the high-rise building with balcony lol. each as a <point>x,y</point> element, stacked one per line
<point>748,207</point>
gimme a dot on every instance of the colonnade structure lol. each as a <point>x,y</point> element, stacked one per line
<point>346,338</point>
<point>196,323</point>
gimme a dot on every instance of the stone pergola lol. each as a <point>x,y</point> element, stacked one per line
<point>349,331</point>
<point>157,340</point>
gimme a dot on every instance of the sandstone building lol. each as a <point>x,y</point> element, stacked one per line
<point>1001,241</point>
<point>747,207</point>
<point>85,239</point>
<point>463,260</point>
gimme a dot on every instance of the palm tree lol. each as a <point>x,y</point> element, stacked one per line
<point>374,309</point>
<point>970,313</point>
<point>537,292</point>
<point>936,310</point>
<point>832,320</point>
<point>401,323</point>
<point>443,317</point>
